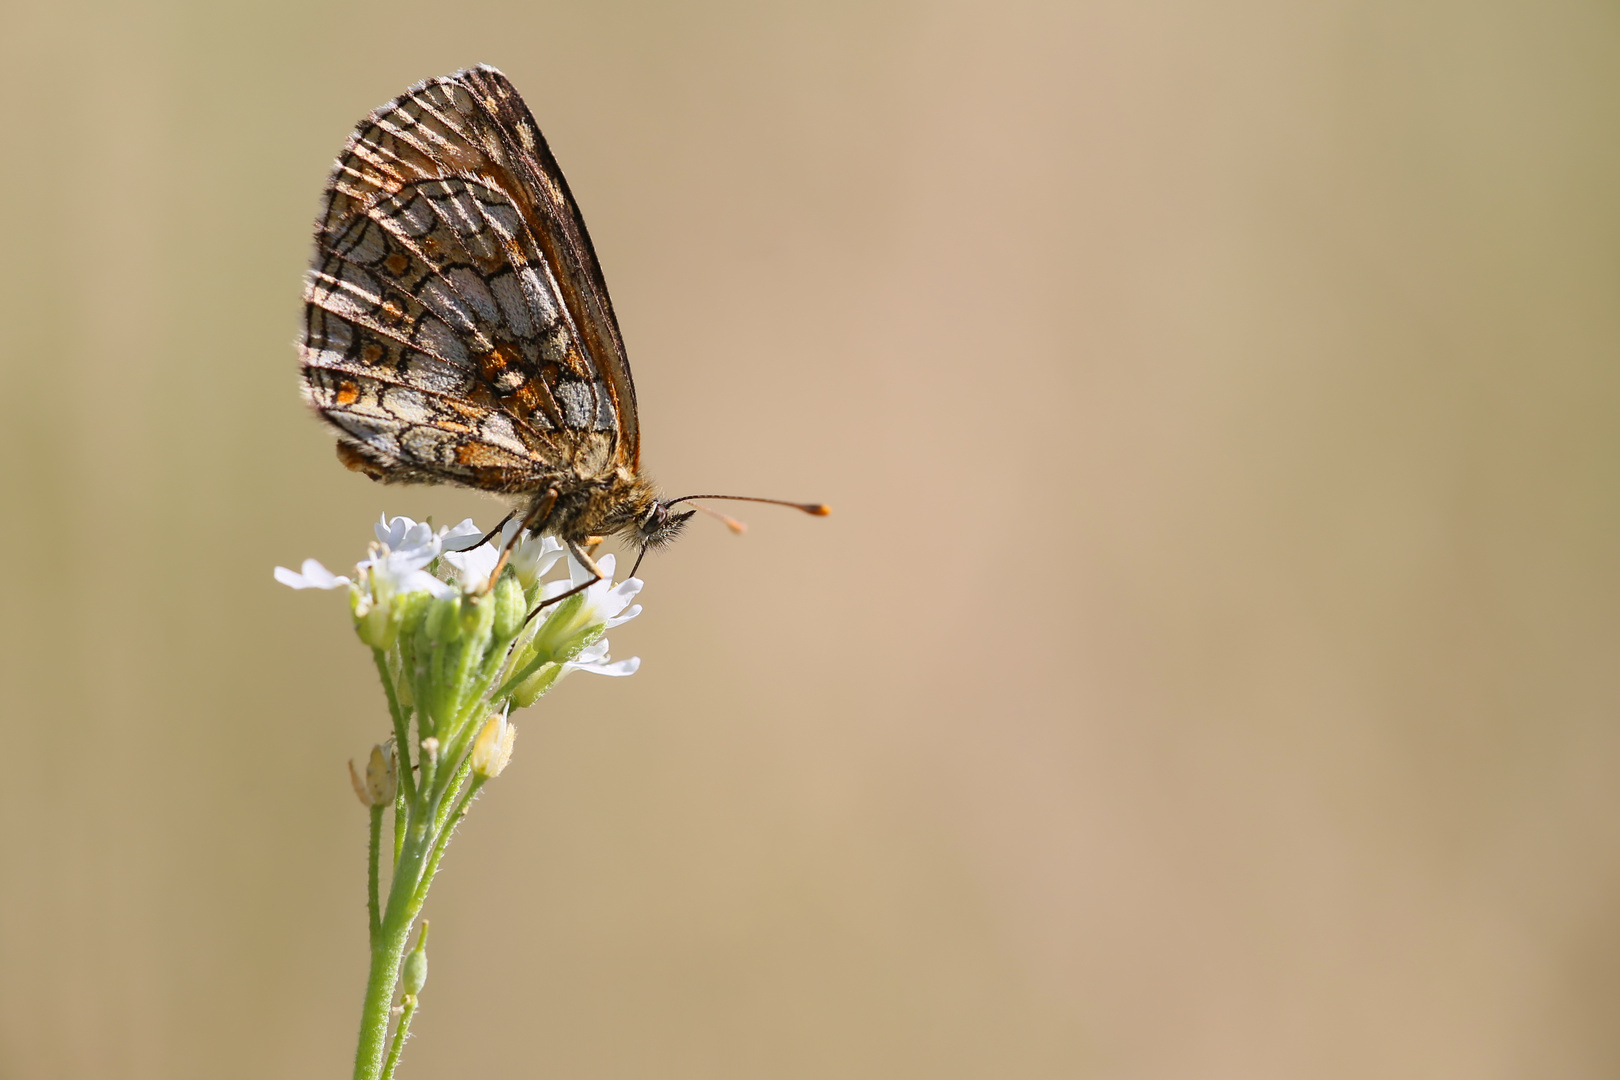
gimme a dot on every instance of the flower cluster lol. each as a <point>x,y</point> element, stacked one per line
<point>455,652</point>
<point>459,637</point>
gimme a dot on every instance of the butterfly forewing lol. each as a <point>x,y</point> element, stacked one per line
<point>457,329</point>
<point>561,228</point>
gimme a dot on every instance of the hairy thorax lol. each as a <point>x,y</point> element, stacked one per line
<point>601,506</point>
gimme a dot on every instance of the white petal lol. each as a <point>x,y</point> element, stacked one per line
<point>553,589</point>
<point>473,567</point>
<point>533,560</point>
<point>314,576</point>
<point>617,670</point>
<point>622,619</point>
<point>422,581</point>
<point>614,601</point>
<point>591,653</point>
<point>392,531</point>
<point>462,537</point>
<point>410,558</point>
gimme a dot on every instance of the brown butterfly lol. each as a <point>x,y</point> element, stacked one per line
<point>457,328</point>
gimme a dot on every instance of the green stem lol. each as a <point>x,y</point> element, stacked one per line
<point>468,718</point>
<point>388,948</point>
<point>402,745</point>
<point>371,875</point>
<point>399,828</point>
<point>441,811</point>
<point>407,1010</point>
<point>443,841</point>
<point>413,875</point>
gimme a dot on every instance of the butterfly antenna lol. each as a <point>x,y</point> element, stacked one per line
<point>814,509</point>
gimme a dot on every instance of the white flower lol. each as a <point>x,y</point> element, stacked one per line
<point>594,659</point>
<point>473,566</point>
<point>569,638</point>
<point>531,559</point>
<point>534,558</point>
<point>394,566</point>
<point>402,535</point>
<point>461,537</point>
<point>602,604</point>
<point>314,576</point>
<point>391,573</point>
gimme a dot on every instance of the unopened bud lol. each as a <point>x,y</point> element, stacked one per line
<point>530,689</point>
<point>493,748</point>
<point>374,625</point>
<point>511,609</point>
<point>443,621</point>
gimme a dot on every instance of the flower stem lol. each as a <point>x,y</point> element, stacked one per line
<point>371,874</point>
<point>402,744</point>
<point>407,1010</point>
<point>388,947</point>
<point>445,831</point>
<point>399,829</point>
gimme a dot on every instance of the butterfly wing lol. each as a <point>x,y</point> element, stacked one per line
<point>561,231</point>
<point>457,329</point>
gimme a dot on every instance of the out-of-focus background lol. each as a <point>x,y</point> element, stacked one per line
<point>1210,669</point>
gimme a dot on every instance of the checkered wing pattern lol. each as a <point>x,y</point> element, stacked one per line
<point>457,328</point>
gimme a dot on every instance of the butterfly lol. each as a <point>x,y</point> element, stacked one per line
<point>457,329</point>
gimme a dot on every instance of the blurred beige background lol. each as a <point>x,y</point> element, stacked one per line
<point>1210,670</point>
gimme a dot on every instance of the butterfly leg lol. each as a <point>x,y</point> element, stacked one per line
<point>534,519</point>
<point>496,531</point>
<point>585,560</point>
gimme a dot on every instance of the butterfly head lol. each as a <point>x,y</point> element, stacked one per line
<point>660,525</point>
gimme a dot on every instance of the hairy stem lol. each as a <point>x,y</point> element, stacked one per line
<point>402,745</point>
<point>407,1010</point>
<point>388,947</point>
<point>375,853</point>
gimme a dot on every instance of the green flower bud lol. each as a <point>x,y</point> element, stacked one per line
<point>374,624</point>
<point>414,975</point>
<point>443,622</point>
<point>477,617</point>
<point>530,689</point>
<point>511,608</point>
<point>410,610</point>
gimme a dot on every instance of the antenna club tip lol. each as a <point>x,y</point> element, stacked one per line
<point>818,509</point>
